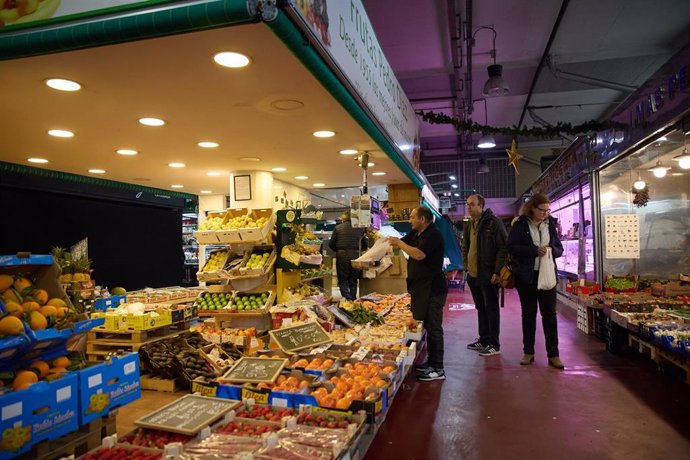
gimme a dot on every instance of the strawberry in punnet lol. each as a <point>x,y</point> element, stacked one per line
<point>120,453</point>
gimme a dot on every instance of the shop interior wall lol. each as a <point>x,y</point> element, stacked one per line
<point>664,222</point>
<point>131,245</point>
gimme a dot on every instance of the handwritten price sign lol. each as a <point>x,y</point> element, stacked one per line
<point>291,339</point>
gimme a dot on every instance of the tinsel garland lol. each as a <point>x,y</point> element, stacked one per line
<point>547,132</point>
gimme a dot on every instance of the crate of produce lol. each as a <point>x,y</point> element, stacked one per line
<point>151,438</point>
<point>213,268</point>
<point>258,302</point>
<point>259,261</point>
<point>208,228</point>
<point>108,385</point>
<point>148,320</point>
<point>230,227</point>
<point>258,225</point>
<point>617,284</point>
<point>213,299</point>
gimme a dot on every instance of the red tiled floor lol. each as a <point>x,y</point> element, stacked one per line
<point>603,406</point>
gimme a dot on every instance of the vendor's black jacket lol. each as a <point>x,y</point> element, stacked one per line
<point>430,242</point>
<point>491,245</point>
<point>523,251</point>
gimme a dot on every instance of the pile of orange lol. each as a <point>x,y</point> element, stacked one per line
<point>316,364</point>
<point>40,370</point>
<point>354,385</point>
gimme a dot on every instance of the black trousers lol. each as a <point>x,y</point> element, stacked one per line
<point>485,296</point>
<point>347,276</point>
<point>530,297</point>
<point>428,300</point>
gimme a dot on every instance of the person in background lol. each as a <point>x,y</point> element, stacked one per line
<point>484,253</point>
<point>346,241</point>
<point>427,286</point>
<point>532,233</point>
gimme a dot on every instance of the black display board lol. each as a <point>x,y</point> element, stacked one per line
<point>188,415</point>
<point>255,370</point>
<point>295,338</point>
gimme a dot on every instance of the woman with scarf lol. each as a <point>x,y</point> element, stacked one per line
<point>533,238</point>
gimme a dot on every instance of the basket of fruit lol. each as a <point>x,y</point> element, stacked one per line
<point>259,262</point>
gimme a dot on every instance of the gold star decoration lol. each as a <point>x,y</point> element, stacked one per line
<point>514,156</point>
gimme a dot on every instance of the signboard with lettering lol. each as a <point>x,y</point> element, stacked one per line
<point>291,339</point>
<point>188,415</point>
<point>255,370</point>
<point>345,32</point>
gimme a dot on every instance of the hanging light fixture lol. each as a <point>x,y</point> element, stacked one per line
<point>496,84</point>
<point>684,158</point>
<point>487,140</point>
<point>639,184</point>
<point>483,167</point>
<point>659,170</point>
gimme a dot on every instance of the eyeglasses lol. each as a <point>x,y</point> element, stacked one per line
<point>543,210</point>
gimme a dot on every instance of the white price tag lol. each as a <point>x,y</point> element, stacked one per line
<point>63,394</point>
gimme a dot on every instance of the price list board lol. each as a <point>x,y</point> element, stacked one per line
<point>188,415</point>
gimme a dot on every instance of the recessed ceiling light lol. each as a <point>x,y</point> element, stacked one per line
<point>324,134</point>
<point>279,169</point>
<point>371,163</point>
<point>60,133</point>
<point>250,159</point>
<point>128,152</point>
<point>61,84</point>
<point>97,171</point>
<point>177,186</point>
<point>151,121</point>
<point>319,184</point>
<point>301,177</point>
<point>207,144</point>
<point>177,165</point>
<point>287,104</point>
<point>677,174</point>
<point>37,160</point>
<point>349,152</point>
<point>378,173</point>
<point>214,173</point>
<point>206,192</point>
<point>231,59</point>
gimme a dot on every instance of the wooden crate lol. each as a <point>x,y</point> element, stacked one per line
<point>100,344</point>
<point>155,383</point>
<point>86,438</point>
<point>659,355</point>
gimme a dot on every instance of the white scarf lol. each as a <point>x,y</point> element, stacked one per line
<point>540,236</point>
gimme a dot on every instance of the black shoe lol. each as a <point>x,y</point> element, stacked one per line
<point>476,345</point>
<point>490,351</point>
<point>424,367</point>
<point>432,375</point>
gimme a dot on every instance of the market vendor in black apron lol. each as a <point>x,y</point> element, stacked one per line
<point>427,286</point>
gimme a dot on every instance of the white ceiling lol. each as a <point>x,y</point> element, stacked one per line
<point>175,78</point>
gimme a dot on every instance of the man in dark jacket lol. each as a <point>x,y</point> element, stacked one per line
<point>346,241</point>
<point>483,252</point>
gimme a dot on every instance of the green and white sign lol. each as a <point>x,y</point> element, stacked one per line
<point>346,34</point>
<point>36,11</point>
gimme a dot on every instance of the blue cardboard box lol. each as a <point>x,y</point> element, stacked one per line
<point>109,302</point>
<point>53,407</point>
<point>15,423</point>
<point>107,385</point>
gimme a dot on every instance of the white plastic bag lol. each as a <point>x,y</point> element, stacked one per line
<point>377,252</point>
<point>547,272</point>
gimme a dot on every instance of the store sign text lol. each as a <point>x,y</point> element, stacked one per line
<point>654,101</point>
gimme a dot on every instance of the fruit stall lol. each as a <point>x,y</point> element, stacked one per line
<point>50,393</point>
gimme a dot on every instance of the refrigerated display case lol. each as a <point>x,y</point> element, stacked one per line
<point>574,213</point>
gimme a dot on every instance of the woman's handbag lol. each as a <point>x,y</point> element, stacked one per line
<point>505,276</point>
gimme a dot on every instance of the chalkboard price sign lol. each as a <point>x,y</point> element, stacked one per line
<point>255,370</point>
<point>291,339</point>
<point>188,415</point>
